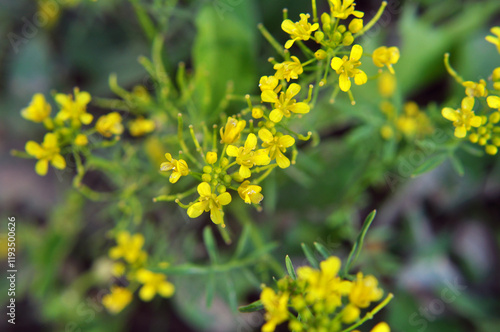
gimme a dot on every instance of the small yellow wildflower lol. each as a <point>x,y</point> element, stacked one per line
<point>178,167</point>
<point>276,308</point>
<point>141,126</point>
<point>268,83</point>
<point>153,283</point>
<point>387,84</point>
<point>463,118</point>
<point>209,201</point>
<point>250,193</point>
<point>74,109</point>
<point>129,248</point>
<point>246,157</point>
<point>47,152</point>
<point>285,103</point>
<point>118,299</point>
<point>81,140</point>
<point>386,56</point>
<point>347,68</point>
<point>109,124</point>
<point>232,131</point>
<point>365,290</point>
<point>298,31</point>
<point>288,69</point>
<point>495,40</point>
<point>38,110</point>
<point>276,146</point>
<point>343,8</point>
<point>473,89</point>
<point>118,269</point>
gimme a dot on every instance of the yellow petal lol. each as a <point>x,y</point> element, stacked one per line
<point>292,90</point>
<point>476,121</point>
<point>144,276</point>
<point>265,135</point>
<point>115,253</point>
<point>337,63</point>
<point>168,156</point>
<point>381,327</point>
<point>289,43</point>
<point>286,141</point>
<point>50,140</point>
<point>288,26</point>
<point>166,166</point>
<point>282,160</point>
<point>58,162</point>
<point>261,157</point>
<point>493,102</point>
<point>232,151</point>
<point>460,132</point>
<point>204,189</point>
<point>41,167</point>
<point>195,210</point>
<point>300,108</point>
<point>245,172</point>
<point>86,118</point>
<point>467,103</point>
<point>344,82</point>
<point>174,177</point>
<point>449,114</point>
<point>224,198</point>
<point>147,292</point>
<point>360,78</point>
<point>34,149</point>
<point>269,96</point>
<point>251,142</point>
<point>166,289</point>
<point>216,216</point>
<point>356,52</point>
<point>82,98</point>
<point>331,266</point>
<point>276,115</point>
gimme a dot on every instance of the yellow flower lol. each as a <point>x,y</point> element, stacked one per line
<point>364,290</point>
<point>387,84</point>
<point>209,201</point>
<point>276,306</point>
<point>343,8</point>
<point>268,83</point>
<point>493,102</point>
<point>81,140</point>
<point>141,126</point>
<point>153,283</point>
<point>250,193</point>
<point>356,25</point>
<point>118,269</point>
<point>118,299</point>
<point>285,103</point>
<point>109,124</point>
<point>386,56</point>
<point>495,40</point>
<point>129,248</point>
<point>473,89</point>
<point>347,68</point>
<point>288,69</point>
<point>463,118</point>
<point>246,157</point>
<point>495,76</point>
<point>298,31</point>
<point>38,110</point>
<point>276,146</point>
<point>178,167</point>
<point>380,327</point>
<point>232,131</point>
<point>47,152</point>
<point>74,110</point>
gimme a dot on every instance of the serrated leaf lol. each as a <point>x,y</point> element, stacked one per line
<point>310,256</point>
<point>289,268</point>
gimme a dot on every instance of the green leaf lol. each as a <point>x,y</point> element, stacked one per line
<point>310,255</point>
<point>457,165</point>
<point>322,250</point>
<point>356,248</point>
<point>230,292</point>
<point>254,306</point>
<point>210,290</point>
<point>242,242</point>
<point>289,268</point>
<point>208,238</point>
<point>430,164</point>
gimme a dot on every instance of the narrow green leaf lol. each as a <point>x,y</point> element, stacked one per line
<point>289,267</point>
<point>356,248</point>
<point>242,242</point>
<point>471,149</point>
<point>208,238</point>
<point>210,290</point>
<point>322,250</point>
<point>230,292</point>
<point>457,165</point>
<point>309,255</point>
<point>430,164</point>
<point>254,306</point>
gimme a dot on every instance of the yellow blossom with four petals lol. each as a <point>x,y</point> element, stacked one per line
<point>246,157</point>
<point>38,110</point>
<point>250,193</point>
<point>463,118</point>
<point>386,56</point>
<point>209,201</point>
<point>178,167</point>
<point>347,67</point>
<point>276,146</point>
<point>153,283</point>
<point>287,70</point>
<point>129,247</point>
<point>46,152</point>
<point>74,108</point>
<point>285,104</point>
<point>109,124</point>
<point>118,299</point>
<point>300,30</point>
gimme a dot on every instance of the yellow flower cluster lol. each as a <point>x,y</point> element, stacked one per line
<point>481,128</point>
<point>323,300</point>
<point>131,262</point>
<point>65,128</point>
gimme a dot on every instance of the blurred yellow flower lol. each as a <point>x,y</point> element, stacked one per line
<point>38,110</point>
<point>47,152</point>
<point>74,109</point>
<point>129,248</point>
<point>81,140</point>
<point>288,69</point>
<point>276,308</point>
<point>141,126</point>
<point>109,124</point>
<point>495,40</point>
<point>463,118</point>
<point>118,299</point>
<point>153,283</point>
<point>365,290</point>
<point>386,56</point>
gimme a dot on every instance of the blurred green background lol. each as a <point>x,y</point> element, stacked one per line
<point>434,242</point>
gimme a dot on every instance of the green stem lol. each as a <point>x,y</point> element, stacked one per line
<point>274,43</point>
<point>371,313</point>
<point>373,20</point>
